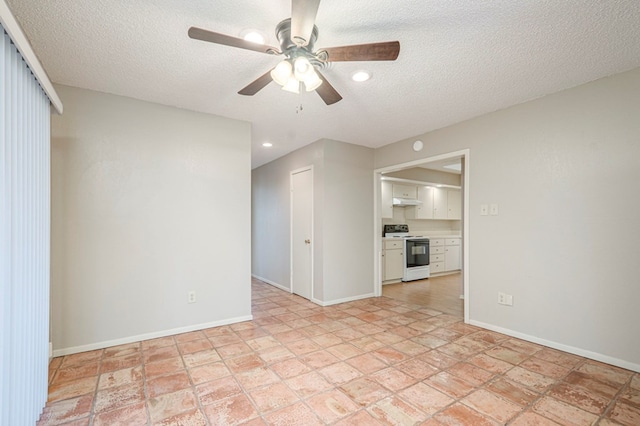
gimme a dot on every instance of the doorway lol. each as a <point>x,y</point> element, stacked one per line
<point>461,280</point>
<point>302,232</point>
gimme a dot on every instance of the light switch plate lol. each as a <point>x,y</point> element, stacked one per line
<point>484,209</point>
<point>493,210</point>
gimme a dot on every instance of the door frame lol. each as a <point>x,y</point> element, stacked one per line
<point>377,219</point>
<point>291,173</point>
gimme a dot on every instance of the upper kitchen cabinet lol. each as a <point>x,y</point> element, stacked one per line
<point>437,203</point>
<point>425,210</point>
<point>386,199</point>
<point>454,204</point>
<point>404,191</point>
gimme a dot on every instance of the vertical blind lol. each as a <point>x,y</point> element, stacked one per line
<point>24,239</point>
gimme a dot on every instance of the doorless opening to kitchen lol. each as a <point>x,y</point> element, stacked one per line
<point>421,220</point>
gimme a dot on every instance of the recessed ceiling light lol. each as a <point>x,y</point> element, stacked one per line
<point>361,76</point>
<point>253,36</point>
<point>267,144</point>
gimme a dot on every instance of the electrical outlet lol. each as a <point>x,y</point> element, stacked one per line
<point>191,297</point>
<point>505,299</point>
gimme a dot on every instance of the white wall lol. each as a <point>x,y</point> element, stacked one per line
<point>343,219</point>
<point>565,171</point>
<point>148,202</point>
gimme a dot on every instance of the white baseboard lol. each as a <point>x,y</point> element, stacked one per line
<point>147,336</point>
<point>565,348</point>
<point>316,301</point>
<point>275,284</point>
<point>345,300</point>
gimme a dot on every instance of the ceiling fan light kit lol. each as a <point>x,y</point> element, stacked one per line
<point>297,36</point>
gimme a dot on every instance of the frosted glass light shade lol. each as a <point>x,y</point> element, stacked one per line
<point>312,82</point>
<point>281,73</point>
<point>302,69</point>
<point>292,85</point>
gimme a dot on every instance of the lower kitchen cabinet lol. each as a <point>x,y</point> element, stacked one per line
<point>436,263</point>
<point>393,255</point>
<point>452,254</point>
<point>444,254</point>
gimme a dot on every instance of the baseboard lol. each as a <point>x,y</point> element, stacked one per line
<point>316,301</point>
<point>147,336</point>
<point>345,300</point>
<point>565,348</point>
<point>275,284</point>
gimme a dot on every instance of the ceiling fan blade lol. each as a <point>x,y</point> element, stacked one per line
<point>303,18</point>
<point>326,91</point>
<point>256,85</point>
<point>210,36</point>
<point>385,51</point>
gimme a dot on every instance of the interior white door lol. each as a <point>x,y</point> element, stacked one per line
<point>301,232</point>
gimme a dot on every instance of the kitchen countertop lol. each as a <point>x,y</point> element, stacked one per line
<point>427,235</point>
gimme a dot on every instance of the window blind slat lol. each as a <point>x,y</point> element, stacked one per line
<point>24,240</point>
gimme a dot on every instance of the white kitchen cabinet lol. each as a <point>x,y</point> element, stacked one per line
<point>436,255</point>
<point>393,255</point>
<point>454,204</point>
<point>452,254</point>
<point>440,207</point>
<point>436,263</point>
<point>444,254</point>
<point>386,199</point>
<point>437,203</point>
<point>424,210</point>
<point>404,191</point>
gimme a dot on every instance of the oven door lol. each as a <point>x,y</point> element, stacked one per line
<point>416,252</point>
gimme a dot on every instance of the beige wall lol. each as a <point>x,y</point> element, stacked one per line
<point>565,172</point>
<point>343,220</point>
<point>148,203</point>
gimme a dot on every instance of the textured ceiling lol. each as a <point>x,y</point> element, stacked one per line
<point>458,59</point>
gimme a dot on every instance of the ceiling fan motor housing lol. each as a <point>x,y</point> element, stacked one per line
<point>292,51</point>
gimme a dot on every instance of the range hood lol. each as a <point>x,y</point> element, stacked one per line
<point>406,202</point>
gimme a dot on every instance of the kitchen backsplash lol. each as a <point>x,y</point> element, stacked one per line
<point>434,227</point>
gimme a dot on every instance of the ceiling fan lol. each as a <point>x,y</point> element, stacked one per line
<point>302,64</point>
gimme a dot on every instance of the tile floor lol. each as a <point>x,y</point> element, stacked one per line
<point>370,362</point>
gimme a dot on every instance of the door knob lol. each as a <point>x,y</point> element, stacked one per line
<point>307,241</point>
